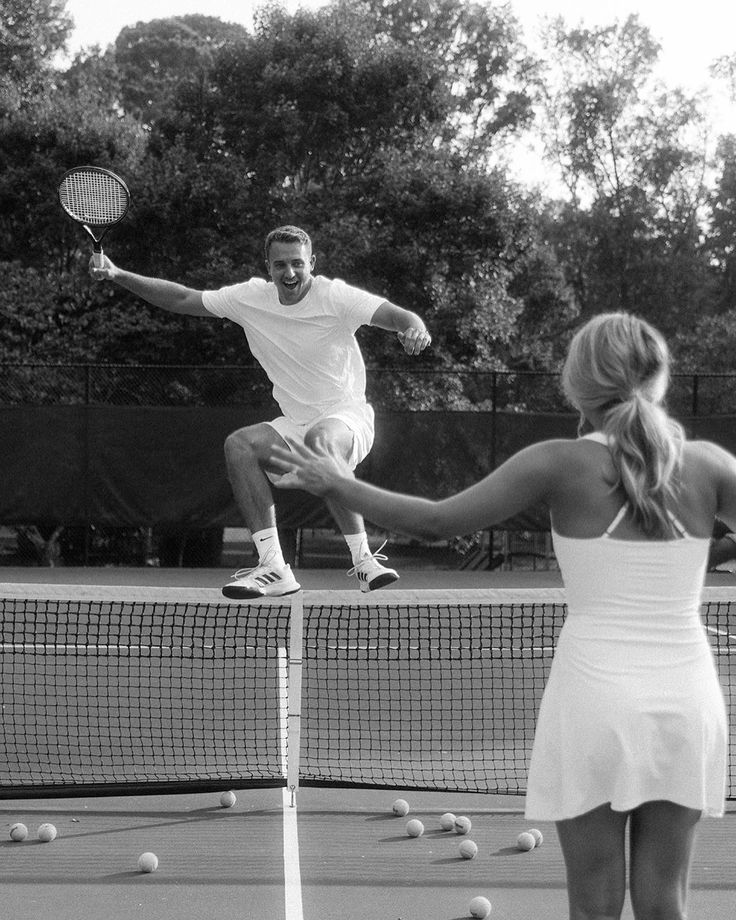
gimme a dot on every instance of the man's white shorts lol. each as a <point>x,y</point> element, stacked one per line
<point>359,418</point>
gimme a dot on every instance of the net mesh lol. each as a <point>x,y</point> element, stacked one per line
<point>428,690</point>
<point>443,693</point>
<point>113,696</point>
<point>94,198</point>
<point>437,695</point>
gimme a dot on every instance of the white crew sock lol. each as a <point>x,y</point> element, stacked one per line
<point>358,546</point>
<point>268,547</point>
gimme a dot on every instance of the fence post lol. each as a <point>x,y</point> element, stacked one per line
<point>494,399</point>
<point>494,419</point>
<point>87,400</point>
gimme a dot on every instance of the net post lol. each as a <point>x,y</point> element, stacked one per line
<point>296,632</point>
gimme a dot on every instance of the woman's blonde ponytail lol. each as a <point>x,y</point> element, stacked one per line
<point>618,367</point>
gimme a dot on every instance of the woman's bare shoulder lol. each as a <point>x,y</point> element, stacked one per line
<point>557,453</point>
<point>707,455</point>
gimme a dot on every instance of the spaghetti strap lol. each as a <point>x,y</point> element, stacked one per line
<point>599,438</point>
<point>677,524</point>
<point>596,436</point>
<point>617,520</point>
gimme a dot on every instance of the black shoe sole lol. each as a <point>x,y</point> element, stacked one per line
<point>244,594</point>
<point>381,581</point>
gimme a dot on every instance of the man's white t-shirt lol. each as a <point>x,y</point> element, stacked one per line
<point>308,349</point>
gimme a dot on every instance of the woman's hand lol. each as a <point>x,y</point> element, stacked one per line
<point>304,468</point>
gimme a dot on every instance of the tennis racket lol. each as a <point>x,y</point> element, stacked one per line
<point>95,198</point>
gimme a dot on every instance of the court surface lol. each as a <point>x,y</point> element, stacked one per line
<point>318,855</point>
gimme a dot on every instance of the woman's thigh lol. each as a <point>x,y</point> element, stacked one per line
<point>662,841</point>
<point>594,848</point>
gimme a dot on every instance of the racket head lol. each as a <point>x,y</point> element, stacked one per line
<point>94,197</point>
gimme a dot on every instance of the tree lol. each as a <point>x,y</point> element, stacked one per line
<point>155,58</point>
<point>49,302</point>
<point>708,345</point>
<point>485,67</point>
<point>311,100</point>
<point>354,121</point>
<point>37,145</point>
<point>31,32</point>
<point>551,311</point>
<point>724,68</point>
<point>720,245</point>
<point>439,238</point>
<point>378,126</point>
<point>633,157</point>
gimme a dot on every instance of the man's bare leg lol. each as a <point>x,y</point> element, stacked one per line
<point>247,452</point>
<point>333,436</point>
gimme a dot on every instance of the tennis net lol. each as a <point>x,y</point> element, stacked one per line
<point>108,696</point>
<point>419,690</point>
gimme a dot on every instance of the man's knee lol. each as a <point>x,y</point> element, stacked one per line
<point>236,443</point>
<point>246,445</point>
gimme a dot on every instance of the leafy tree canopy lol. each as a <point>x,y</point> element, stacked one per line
<point>382,127</point>
<point>31,33</point>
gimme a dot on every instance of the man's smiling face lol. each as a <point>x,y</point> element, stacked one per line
<point>290,267</point>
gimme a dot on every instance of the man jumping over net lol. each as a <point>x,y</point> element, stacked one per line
<point>301,329</point>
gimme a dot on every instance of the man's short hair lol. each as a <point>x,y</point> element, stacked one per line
<point>287,234</point>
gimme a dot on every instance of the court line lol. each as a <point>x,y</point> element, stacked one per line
<point>42,647</point>
<point>293,907</point>
<point>283,684</point>
<point>291,683</point>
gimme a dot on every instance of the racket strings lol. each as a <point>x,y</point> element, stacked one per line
<point>93,198</point>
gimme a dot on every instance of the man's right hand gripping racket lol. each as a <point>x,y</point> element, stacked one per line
<point>95,198</point>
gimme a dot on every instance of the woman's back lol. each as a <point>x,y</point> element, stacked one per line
<point>587,493</point>
<point>629,588</point>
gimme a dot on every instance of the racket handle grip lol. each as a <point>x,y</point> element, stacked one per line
<point>98,259</point>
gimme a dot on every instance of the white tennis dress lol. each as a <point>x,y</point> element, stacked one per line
<point>633,710</point>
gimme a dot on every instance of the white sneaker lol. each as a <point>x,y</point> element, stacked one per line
<point>371,574</point>
<point>265,580</point>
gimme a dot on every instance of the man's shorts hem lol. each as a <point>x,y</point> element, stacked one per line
<point>358,419</point>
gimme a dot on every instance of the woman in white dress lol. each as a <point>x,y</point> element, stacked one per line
<point>632,730</point>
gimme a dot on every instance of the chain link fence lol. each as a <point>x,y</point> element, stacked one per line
<point>390,390</point>
<point>406,388</point>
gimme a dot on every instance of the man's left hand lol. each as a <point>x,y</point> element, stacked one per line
<point>414,340</point>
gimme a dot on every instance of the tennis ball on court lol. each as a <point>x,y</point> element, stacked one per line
<point>462,825</point>
<point>525,841</point>
<point>400,807</point>
<point>468,849</point>
<point>46,833</point>
<point>147,862</point>
<point>414,828</point>
<point>18,832</point>
<point>537,835</point>
<point>228,799</point>
<point>480,907</point>
<point>447,821</point>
